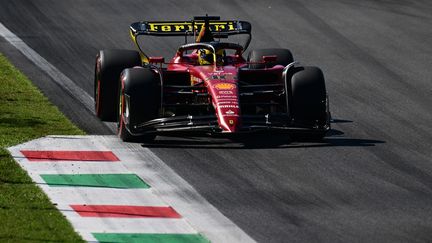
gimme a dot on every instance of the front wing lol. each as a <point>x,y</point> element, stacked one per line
<point>209,124</point>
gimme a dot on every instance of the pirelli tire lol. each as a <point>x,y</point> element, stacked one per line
<point>109,65</point>
<point>308,104</point>
<point>139,101</point>
<point>284,57</point>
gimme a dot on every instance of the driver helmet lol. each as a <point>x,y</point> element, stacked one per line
<point>220,57</point>
<point>205,57</point>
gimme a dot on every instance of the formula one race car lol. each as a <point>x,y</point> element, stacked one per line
<point>208,86</point>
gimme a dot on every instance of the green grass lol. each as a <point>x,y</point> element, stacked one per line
<point>26,214</point>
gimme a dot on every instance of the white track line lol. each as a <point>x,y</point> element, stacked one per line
<point>57,76</point>
<point>173,189</point>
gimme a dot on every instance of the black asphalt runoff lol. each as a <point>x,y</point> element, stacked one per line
<point>369,181</point>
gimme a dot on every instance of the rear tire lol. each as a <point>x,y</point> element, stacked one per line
<point>284,57</point>
<point>109,65</point>
<point>139,102</point>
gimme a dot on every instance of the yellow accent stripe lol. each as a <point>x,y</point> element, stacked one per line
<point>144,57</point>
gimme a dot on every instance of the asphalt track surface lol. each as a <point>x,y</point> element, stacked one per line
<point>369,181</point>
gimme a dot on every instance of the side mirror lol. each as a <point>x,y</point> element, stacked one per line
<point>268,59</point>
<point>156,60</point>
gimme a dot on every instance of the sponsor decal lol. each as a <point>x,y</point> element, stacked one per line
<point>230,97</point>
<point>218,77</point>
<point>233,102</point>
<point>229,106</point>
<point>224,86</point>
<point>222,75</point>
<point>187,26</point>
<point>226,92</point>
<point>218,72</point>
<point>229,112</point>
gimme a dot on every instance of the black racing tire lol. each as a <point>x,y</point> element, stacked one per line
<point>308,103</point>
<point>141,87</point>
<point>109,65</point>
<point>284,57</point>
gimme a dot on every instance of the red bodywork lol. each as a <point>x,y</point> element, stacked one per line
<point>209,87</point>
<point>221,84</point>
<point>194,96</point>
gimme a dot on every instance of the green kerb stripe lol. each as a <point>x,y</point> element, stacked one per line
<point>153,238</point>
<point>96,180</point>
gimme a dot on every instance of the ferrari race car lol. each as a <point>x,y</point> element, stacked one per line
<point>208,86</point>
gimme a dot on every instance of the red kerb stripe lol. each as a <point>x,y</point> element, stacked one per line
<point>69,155</point>
<point>120,211</point>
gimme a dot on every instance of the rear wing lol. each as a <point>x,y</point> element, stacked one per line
<point>189,28</point>
<point>218,29</point>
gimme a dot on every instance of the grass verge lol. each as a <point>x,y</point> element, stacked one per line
<point>26,214</point>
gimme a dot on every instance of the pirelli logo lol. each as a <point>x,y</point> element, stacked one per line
<point>187,26</point>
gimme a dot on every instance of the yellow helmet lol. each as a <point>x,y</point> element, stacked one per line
<point>220,57</point>
<point>205,57</point>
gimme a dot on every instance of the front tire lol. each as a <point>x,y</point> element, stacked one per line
<point>308,103</point>
<point>139,102</point>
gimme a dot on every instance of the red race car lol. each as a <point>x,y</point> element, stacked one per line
<point>208,86</point>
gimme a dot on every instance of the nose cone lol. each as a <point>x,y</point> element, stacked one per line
<point>229,120</point>
<point>226,103</point>
<point>222,85</point>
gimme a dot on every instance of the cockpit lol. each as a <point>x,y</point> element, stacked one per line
<point>212,53</point>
